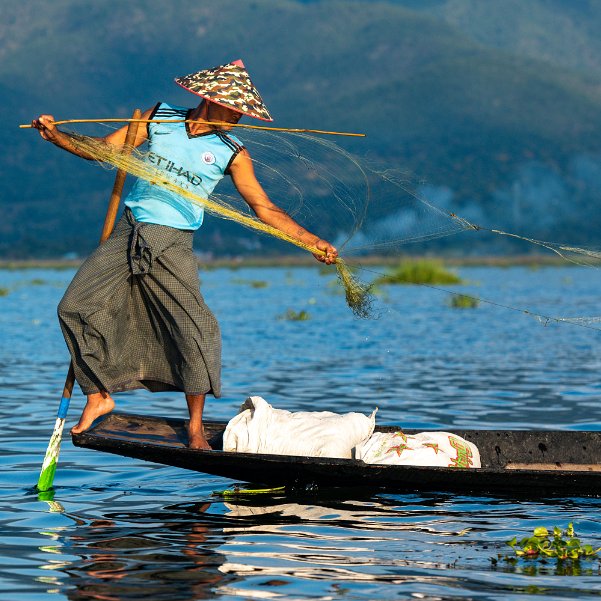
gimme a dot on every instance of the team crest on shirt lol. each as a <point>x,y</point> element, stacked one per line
<point>208,158</point>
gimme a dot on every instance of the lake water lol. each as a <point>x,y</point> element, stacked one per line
<point>125,529</point>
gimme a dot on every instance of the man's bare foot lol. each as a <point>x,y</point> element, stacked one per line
<point>196,432</point>
<point>98,404</point>
<point>197,440</point>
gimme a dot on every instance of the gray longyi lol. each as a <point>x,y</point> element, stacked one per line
<point>134,317</point>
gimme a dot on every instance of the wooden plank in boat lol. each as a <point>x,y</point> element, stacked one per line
<point>569,467</point>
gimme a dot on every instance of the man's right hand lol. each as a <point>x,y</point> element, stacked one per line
<point>45,126</point>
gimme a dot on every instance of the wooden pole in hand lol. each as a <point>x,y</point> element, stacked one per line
<point>46,478</point>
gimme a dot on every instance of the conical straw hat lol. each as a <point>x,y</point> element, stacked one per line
<point>230,86</point>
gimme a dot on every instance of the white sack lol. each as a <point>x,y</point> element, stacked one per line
<point>263,429</point>
<point>440,449</point>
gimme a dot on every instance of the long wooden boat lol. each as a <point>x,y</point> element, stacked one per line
<point>513,461</point>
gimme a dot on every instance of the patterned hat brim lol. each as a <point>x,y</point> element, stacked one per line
<point>227,106</point>
<point>229,86</point>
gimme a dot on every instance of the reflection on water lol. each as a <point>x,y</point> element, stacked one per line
<point>438,545</point>
<point>162,556</point>
<point>124,529</point>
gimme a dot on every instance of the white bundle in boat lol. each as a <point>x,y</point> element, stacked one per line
<point>438,449</point>
<point>262,429</point>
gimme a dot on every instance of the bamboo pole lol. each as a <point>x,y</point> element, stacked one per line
<point>46,478</point>
<point>222,123</point>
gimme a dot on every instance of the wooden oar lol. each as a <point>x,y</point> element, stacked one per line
<point>46,478</point>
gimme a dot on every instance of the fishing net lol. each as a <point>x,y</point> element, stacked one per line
<point>317,183</point>
<point>362,208</point>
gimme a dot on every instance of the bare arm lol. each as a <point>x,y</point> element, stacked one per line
<point>48,131</point>
<point>243,176</point>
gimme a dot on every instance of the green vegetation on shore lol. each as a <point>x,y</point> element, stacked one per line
<point>532,261</point>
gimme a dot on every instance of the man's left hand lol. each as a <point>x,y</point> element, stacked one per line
<point>330,253</point>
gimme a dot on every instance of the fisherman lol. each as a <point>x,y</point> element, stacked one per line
<point>133,316</point>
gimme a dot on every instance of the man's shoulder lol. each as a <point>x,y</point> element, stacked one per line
<point>164,110</point>
<point>230,140</point>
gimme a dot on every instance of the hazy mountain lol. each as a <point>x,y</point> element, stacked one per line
<point>560,32</point>
<point>496,106</point>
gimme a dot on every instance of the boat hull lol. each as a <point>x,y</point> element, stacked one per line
<point>531,463</point>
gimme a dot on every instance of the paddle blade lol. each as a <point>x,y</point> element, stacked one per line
<point>46,478</point>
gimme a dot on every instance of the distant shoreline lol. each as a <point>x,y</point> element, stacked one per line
<point>305,261</point>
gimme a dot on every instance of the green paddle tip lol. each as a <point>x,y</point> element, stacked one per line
<point>47,477</point>
<point>46,495</point>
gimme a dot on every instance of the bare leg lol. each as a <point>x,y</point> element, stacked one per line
<point>196,434</point>
<point>99,403</point>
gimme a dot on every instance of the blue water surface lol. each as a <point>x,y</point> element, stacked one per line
<point>118,528</point>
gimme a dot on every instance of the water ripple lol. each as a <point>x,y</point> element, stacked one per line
<point>121,529</point>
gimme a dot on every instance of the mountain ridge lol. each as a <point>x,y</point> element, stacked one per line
<point>468,117</point>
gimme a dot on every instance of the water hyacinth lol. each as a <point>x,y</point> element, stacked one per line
<point>463,301</point>
<point>292,315</point>
<point>562,545</point>
<point>419,272</point>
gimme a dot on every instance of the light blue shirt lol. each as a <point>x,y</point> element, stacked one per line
<point>193,162</point>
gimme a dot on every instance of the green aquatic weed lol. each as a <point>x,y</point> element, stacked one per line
<point>251,283</point>
<point>562,545</point>
<point>258,284</point>
<point>463,301</point>
<point>423,271</point>
<point>292,315</point>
